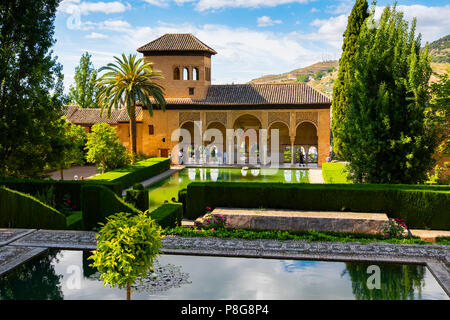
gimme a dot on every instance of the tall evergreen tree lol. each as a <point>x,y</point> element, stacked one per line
<point>84,92</point>
<point>340,101</point>
<point>386,135</point>
<point>31,87</point>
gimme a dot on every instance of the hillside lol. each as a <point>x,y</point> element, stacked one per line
<point>321,75</point>
<point>440,50</point>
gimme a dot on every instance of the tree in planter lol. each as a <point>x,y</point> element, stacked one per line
<point>127,247</point>
<point>104,148</point>
<point>386,136</point>
<point>84,92</point>
<point>124,84</point>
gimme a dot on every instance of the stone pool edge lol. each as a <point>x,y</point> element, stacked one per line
<point>435,257</point>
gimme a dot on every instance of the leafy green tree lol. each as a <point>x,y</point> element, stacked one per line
<point>440,109</point>
<point>386,136</point>
<point>71,142</point>
<point>127,82</point>
<point>84,92</point>
<point>303,78</point>
<point>319,75</point>
<point>104,148</point>
<point>126,249</point>
<point>340,93</point>
<point>31,86</point>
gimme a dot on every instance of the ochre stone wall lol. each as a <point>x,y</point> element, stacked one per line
<point>180,88</point>
<point>166,122</point>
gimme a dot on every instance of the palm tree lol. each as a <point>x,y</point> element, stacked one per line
<point>127,82</point>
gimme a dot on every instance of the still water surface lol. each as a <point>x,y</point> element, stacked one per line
<point>66,275</point>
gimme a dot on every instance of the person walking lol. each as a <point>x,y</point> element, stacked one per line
<point>180,156</point>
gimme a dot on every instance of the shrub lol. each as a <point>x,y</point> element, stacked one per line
<point>419,205</point>
<point>138,197</point>
<point>126,249</point>
<point>129,175</point>
<point>168,215</point>
<point>182,194</point>
<point>99,202</point>
<point>75,221</point>
<point>19,210</point>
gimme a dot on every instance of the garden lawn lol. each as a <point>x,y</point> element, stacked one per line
<point>334,172</point>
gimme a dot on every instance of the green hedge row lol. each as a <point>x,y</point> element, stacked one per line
<point>138,197</point>
<point>168,215</point>
<point>19,210</point>
<point>99,202</point>
<point>63,189</point>
<point>421,206</point>
<point>128,176</point>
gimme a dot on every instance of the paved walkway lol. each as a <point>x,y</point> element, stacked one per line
<point>20,245</point>
<point>80,171</point>
<point>315,175</point>
<point>157,178</point>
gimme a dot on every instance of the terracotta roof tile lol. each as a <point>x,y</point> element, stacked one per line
<point>257,94</point>
<point>176,42</point>
<point>92,116</point>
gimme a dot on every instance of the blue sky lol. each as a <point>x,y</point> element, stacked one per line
<point>252,37</point>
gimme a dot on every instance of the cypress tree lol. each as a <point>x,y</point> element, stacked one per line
<point>340,101</point>
<point>386,135</point>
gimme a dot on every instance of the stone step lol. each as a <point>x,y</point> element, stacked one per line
<point>275,219</point>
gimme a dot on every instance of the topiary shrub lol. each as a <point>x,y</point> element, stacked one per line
<point>19,210</point>
<point>420,206</point>
<point>138,197</point>
<point>168,215</point>
<point>99,202</point>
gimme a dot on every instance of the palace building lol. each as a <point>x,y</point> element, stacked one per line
<point>299,112</point>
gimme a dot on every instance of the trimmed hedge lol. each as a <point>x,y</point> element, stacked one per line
<point>129,175</point>
<point>138,197</point>
<point>19,210</point>
<point>421,206</point>
<point>75,221</point>
<point>168,215</point>
<point>99,202</point>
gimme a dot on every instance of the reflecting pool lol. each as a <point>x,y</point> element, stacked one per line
<point>168,188</point>
<point>66,275</point>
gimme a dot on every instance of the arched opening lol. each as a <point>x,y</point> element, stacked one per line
<point>195,75</point>
<point>185,74</point>
<point>215,143</point>
<point>176,73</point>
<point>187,145</point>
<point>246,139</point>
<point>284,141</point>
<point>305,139</point>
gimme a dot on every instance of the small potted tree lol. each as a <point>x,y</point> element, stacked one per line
<point>127,246</point>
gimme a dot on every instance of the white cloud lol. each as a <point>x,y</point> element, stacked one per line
<point>266,21</point>
<point>313,10</point>
<point>243,54</point>
<point>95,35</point>
<point>83,8</point>
<point>203,5</point>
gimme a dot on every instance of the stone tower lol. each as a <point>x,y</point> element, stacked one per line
<point>185,63</point>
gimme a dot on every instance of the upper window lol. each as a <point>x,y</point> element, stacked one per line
<point>176,73</point>
<point>195,74</point>
<point>185,74</point>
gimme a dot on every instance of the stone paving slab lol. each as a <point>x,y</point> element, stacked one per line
<point>276,219</point>
<point>63,239</point>
<point>10,235</point>
<point>157,178</point>
<point>429,235</point>
<point>13,256</point>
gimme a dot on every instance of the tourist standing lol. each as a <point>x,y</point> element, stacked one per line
<point>180,157</point>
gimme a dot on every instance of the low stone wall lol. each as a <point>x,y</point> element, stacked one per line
<point>268,219</point>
